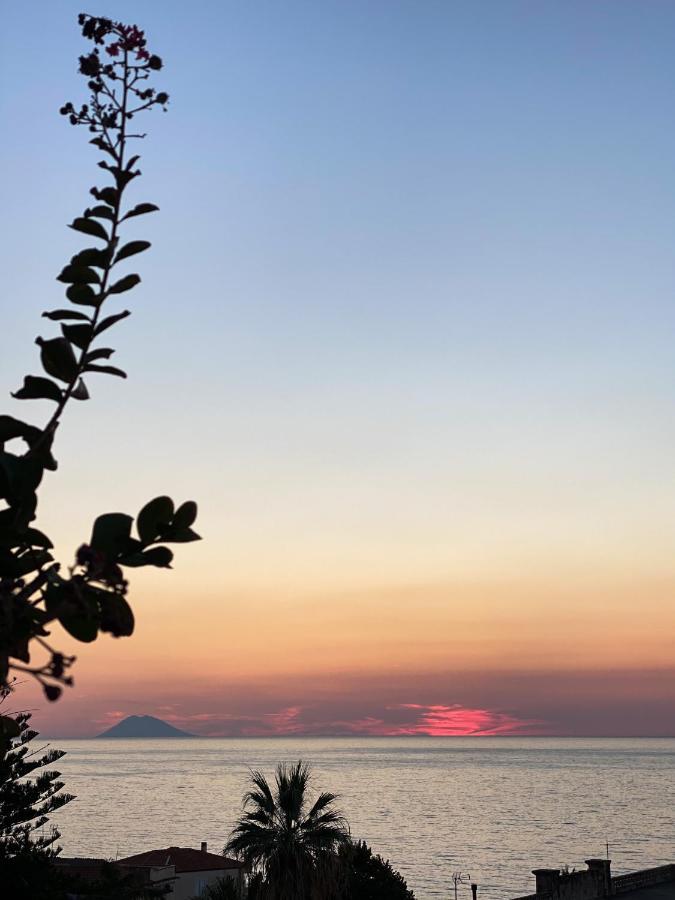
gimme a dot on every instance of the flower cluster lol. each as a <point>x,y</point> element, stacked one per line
<point>133,39</point>
<point>117,87</point>
<point>95,28</point>
<point>125,38</point>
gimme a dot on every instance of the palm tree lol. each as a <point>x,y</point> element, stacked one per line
<point>288,845</point>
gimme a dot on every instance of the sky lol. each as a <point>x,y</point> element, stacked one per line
<point>405,333</point>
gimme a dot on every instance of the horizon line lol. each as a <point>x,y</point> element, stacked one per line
<point>266,737</point>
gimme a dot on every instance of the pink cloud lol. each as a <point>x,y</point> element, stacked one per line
<point>278,722</point>
<point>390,721</point>
<point>110,718</point>
<point>446,721</point>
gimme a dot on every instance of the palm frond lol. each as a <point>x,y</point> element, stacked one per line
<point>322,801</point>
<point>286,845</point>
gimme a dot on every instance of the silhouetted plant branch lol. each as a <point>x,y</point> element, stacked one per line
<point>91,598</point>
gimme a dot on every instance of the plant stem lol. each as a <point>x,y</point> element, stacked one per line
<point>118,151</point>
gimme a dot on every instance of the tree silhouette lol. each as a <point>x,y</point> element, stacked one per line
<point>29,793</point>
<point>90,596</point>
<point>221,889</point>
<point>369,877</point>
<point>288,842</point>
<point>27,802</point>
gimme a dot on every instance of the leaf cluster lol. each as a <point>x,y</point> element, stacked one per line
<point>89,597</point>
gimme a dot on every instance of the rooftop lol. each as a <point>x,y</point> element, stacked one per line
<point>664,891</point>
<point>81,862</point>
<point>185,859</point>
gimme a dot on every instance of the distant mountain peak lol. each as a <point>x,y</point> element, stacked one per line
<point>143,727</point>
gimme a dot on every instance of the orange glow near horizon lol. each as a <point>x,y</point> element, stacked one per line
<point>456,659</point>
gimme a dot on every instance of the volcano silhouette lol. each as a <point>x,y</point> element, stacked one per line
<point>143,727</point>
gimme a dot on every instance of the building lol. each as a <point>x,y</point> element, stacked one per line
<point>89,869</point>
<point>193,869</point>
<point>596,882</point>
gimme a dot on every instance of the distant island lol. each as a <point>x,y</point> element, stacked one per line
<point>143,727</point>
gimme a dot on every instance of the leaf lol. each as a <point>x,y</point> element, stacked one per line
<point>78,274</point>
<point>57,358</point>
<point>158,556</point>
<point>140,209</point>
<point>99,353</point>
<point>180,532</point>
<point>116,615</point>
<point>100,212</point>
<point>124,284</point>
<point>36,538</point>
<point>80,391</point>
<point>180,535</point>
<point>109,195</point>
<point>38,388</point>
<point>52,691</point>
<point>131,248</point>
<point>125,176</point>
<point>89,226</point>
<point>92,256</point>
<point>103,145</point>
<point>56,315</point>
<point>154,518</point>
<point>80,335</point>
<point>29,537</point>
<point>83,295</point>
<point>185,514</point>
<point>19,479</point>
<point>134,560</point>
<point>11,428</point>
<point>132,162</point>
<point>110,320</point>
<point>79,615</point>
<point>106,370</point>
<point>110,533</point>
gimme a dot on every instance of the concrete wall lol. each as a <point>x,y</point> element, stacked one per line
<point>645,878</point>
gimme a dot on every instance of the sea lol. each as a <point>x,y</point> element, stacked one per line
<point>491,808</point>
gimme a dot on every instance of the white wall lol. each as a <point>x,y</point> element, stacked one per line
<point>189,884</point>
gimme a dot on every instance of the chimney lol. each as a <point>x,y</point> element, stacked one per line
<point>547,880</point>
<point>601,870</point>
<point>203,846</point>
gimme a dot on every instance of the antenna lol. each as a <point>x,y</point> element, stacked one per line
<point>460,878</point>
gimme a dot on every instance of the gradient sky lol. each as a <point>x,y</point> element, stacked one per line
<point>406,335</point>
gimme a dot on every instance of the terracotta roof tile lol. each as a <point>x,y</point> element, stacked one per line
<point>185,859</point>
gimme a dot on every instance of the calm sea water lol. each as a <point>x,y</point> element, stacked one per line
<point>493,807</point>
